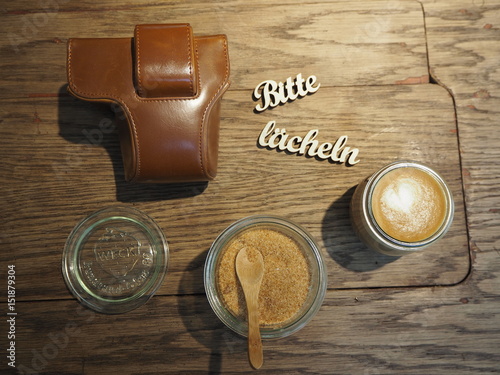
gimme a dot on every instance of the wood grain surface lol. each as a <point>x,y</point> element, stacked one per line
<point>396,331</point>
<point>344,41</point>
<point>70,179</point>
<point>434,312</point>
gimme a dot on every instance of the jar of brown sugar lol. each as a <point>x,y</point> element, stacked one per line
<point>294,282</point>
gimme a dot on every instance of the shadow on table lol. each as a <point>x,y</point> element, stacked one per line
<point>202,323</point>
<point>90,125</point>
<point>342,243</point>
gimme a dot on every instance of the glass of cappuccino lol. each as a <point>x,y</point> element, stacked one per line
<point>402,208</point>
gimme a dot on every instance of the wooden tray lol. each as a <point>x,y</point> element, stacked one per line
<point>59,165</point>
<point>385,123</point>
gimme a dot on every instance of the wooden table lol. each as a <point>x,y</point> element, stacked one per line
<point>402,79</point>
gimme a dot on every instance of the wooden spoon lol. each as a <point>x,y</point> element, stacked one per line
<point>250,269</point>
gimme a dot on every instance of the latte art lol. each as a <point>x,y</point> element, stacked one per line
<point>402,208</point>
<point>409,204</point>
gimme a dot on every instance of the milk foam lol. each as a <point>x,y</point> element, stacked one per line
<point>409,204</point>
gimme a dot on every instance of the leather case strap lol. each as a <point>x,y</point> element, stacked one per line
<point>165,61</point>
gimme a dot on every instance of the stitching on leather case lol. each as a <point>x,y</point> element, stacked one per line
<point>136,139</point>
<point>226,75</point>
<point>138,49</point>
<point>189,39</point>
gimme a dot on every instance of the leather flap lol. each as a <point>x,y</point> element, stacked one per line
<point>165,61</point>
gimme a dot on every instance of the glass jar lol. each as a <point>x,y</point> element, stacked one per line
<point>315,290</point>
<point>115,259</point>
<point>402,208</point>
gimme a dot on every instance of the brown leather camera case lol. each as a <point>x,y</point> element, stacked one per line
<point>169,86</point>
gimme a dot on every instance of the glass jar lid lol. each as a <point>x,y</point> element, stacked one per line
<point>115,259</point>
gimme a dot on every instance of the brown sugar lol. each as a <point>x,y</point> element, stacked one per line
<point>286,280</point>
